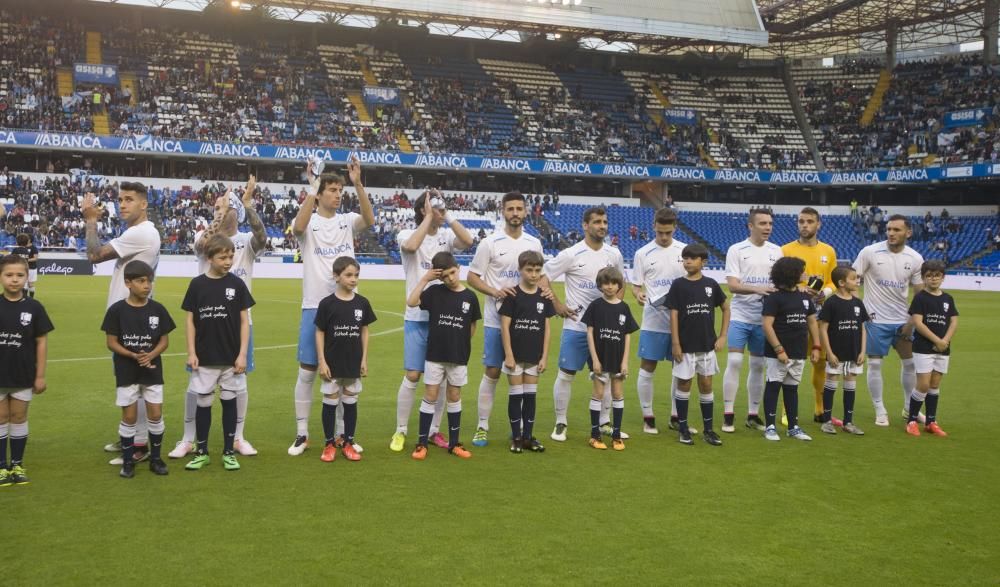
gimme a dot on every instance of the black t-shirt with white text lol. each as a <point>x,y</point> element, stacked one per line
<point>937,312</point>
<point>21,323</point>
<point>791,311</point>
<point>528,313</point>
<point>27,252</point>
<point>449,325</point>
<point>695,302</point>
<point>846,318</point>
<point>611,324</point>
<point>139,330</point>
<point>341,322</point>
<point>216,305</point>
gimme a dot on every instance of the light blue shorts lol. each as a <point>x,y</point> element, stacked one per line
<point>414,345</point>
<point>493,354</point>
<point>655,346</point>
<point>743,335</point>
<point>307,338</point>
<point>250,363</point>
<point>881,337</point>
<point>573,350</point>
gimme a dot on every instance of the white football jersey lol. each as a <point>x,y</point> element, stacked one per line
<point>416,264</point>
<point>496,263</point>
<point>138,243</point>
<point>323,241</point>
<point>655,268</point>
<point>887,278</point>
<point>752,266</point>
<point>243,257</point>
<point>580,265</point>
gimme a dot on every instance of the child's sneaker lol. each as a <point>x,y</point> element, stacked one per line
<point>771,433</point>
<point>850,428</point>
<point>798,433</point>
<point>18,475</point>
<point>480,437</point>
<point>934,429</point>
<point>229,462</point>
<point>198,462</point>
<point>617,444</point>
<point>684,437</point>
<point>158,467</point>
<point>596,443</point>
<point>532,444</point>
<point>398,442</point>
<point>183,449</point>
<point>5,479</point>
<point>712,438</point>
<point>127,471</point>
<point>419,453</point>
<point>299,446</point>
<point>829,427</point>
<point>350,452</point>
<point>516,445</point>
<point>439,440</point>
<point>329,453</point>
<point>459,451</point>
<point>244,447</point>
<point>912,428</point>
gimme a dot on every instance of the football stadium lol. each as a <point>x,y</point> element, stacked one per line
<point>499,291</point>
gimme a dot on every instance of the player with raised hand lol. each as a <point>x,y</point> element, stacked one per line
<point>748,275</point>
<point>889,269</point>
<point>436,232</point>
<point>580,264</point>
<point>494,273</point>
<point>323,235</point>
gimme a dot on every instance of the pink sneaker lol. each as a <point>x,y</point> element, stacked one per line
<point>439,440</point>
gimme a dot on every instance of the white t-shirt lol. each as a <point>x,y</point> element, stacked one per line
<point>752,266</point>
<point>580,265</point>
<point>138,243</point>
<point>323,241</point>
<point>496,263</point>
<point>887,278</point>
<point>657,267</point>
<point>416,264</point>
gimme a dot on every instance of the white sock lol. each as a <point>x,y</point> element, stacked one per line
<point>731,381</point>
<point>156,426</point>
<point>190,407</point>
<point>303,400</point>
<point>404,403</point>
<point>908,380</point>
<point>141,430</point>
<point>487,389</point>
<point>755,384</point>
<point>644,385</point>
<point>561,391</point>
<point>606,405</point>
<point>673,402</point>
<point>241,412</point>
<point>875,384</point>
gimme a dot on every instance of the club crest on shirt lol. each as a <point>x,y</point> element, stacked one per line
<point>906,266</point>
<point>708,291</point>
<point>772,258</point>
<point>824,259</point>
<point>465,307</point>
<point>230,293</point>
<point>154,322</point>
<point>25,318</point>
<point>357,315</point>
<point>805,304</point>
<point>857,311</point>
<point>945,305</point>
<point>541,307</point>
<point>621,319</point>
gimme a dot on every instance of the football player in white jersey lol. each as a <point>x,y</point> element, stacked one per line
<point>436,232</point>
<point>580,264</point>
<point>748,274</point>
<point>139,242</point>
<point>654,267</point>
<point>890,269</point>
<point>494,273</point>
<point>230,212</point>
<point>323,236</point>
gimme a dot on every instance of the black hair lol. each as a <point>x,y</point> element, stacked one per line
<point>906,221</point>
<point>443,260</point>
<point>137,269</point>
<point>810,211</point>
<point>610,275</point>
<point>933,266</point>
<point>841,273</point>
<point>787,272</point>
<point>12,260</point>
<point>133,186</point>
<point>344,262</point>
<point>665,216</point>
<point>755,211</point>
<point>328,178</point>
<point>418,205</point>
<point>593,211</point>
<point>533,258</point>
<point>511,197</point>
<point>695,251</point>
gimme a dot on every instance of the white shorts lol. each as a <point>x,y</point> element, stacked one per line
<point>130,394</point>
<point>789,373</point>
<point>32,275</point>
<point>340,385</point>
<point>929,363</point>
<point>606,378</point>
<point>845,368</point>
<point>530,369</point>
<point>454,375</point>
<point>204,379</point>
<point>696,363</point>
<point>24,395</point>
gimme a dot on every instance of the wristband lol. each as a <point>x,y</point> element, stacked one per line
<point>448,219</point>
<point>779,349</point>
<point>816,347</point>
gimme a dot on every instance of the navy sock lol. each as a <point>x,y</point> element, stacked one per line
<point>515,412</point>
<point>595,420</point>
<point>848,404</point>
<point>528,415</point>
<point>228,425</point>
<point>682,412</point>
<point>426,415</point>
<point>707,407</point>
<point>915,405</point>
<point>350,421</point>
<point>155,444</point>
<point>828,393</point>
<point>17,446</point>
<point>329,419</point>
<point>617,412</point>
<point>771,392</point>
<point>932,404</point>
<point>3,452</point>
<point>128,448</point>
<point>202,425</point>
<point>454,427</point>
<point>790,393</point>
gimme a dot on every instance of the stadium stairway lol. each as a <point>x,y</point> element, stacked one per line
<point>366,71</point>
<point>655,87</point>
<point>94,52</point>
<point>64,79</point>
<point>800,117</point>
<point>878,94</point>
<point>355,97</point>
<point>102,126</point>
<point>127,80</point>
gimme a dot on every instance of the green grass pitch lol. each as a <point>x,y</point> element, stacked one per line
<point>880,509</point>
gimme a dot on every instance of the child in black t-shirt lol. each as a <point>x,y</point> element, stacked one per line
<point>218,332</point>
<point>935,320</point>
<point>692,302</point>
<point>24,325</point>
<point>29,251</point>
<point>137,329</point>
<point>789,322</point>
<point>609,323</point>
<point>842,331</point>
<point>524,331</point>
<point>452,314</point>
<point>342,320</point>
